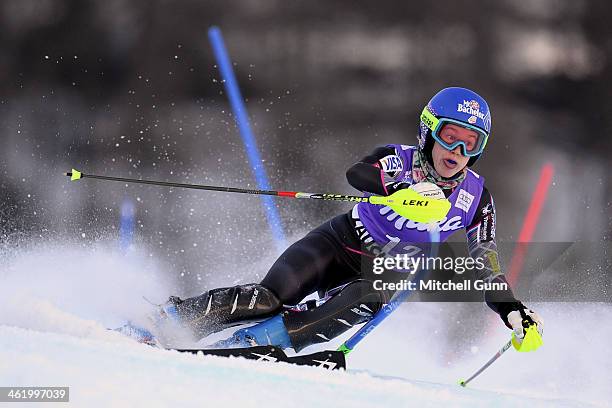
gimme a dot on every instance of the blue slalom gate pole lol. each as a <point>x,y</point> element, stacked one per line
<point>244,126</point>
<point>126,226</point>
<point>393,304</point>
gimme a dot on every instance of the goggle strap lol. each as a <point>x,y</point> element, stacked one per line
<point>429,119</point>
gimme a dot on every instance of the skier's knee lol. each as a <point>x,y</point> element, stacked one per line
<point>356,303</point>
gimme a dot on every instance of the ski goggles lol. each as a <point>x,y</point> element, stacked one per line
<point>470,146</point>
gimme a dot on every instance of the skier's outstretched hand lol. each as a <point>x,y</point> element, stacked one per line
<point>521,323</point>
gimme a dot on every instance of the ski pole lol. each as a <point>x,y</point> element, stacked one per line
<point>497,355</point>
<point>531,341</point>
<point>406,202</point>
<point>393,304</point>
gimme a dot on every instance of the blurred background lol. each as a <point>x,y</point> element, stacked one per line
<point>130,88</point>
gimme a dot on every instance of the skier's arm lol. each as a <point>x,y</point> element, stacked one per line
<point>481,244</point>
<point>369,174</point>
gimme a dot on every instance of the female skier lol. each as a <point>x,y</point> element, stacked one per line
<point>453,131</point>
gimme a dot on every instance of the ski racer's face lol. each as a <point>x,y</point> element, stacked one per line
<point>448,163</point>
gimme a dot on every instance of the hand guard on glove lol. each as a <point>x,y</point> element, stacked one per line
<point>522,321</point>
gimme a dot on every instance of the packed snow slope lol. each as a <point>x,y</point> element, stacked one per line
<point>110,372</point>
<point>56,302</point>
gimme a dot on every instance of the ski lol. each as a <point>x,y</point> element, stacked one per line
<point>329,360</point>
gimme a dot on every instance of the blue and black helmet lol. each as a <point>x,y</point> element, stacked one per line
<point>458,106</point>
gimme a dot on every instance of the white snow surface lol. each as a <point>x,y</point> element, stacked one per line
<point>57,301</point>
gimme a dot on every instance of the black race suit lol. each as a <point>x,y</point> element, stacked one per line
<point>329,258</point>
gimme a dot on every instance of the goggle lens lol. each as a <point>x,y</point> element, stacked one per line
<point>471,146</point>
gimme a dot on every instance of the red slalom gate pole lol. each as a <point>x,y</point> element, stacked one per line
<point>530,222</point>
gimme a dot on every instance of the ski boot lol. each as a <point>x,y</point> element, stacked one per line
<point>271,332</point>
